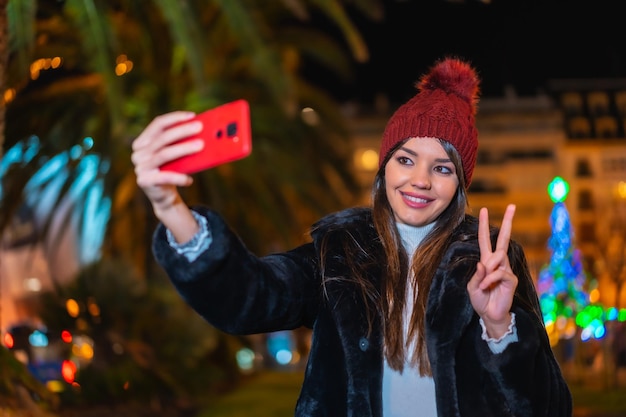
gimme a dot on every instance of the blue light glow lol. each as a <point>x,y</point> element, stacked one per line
<point>245,359</point>
<point>38,339</point>
<point>59,186</point>
<point>280,345</point>
<point>42,197</point>
<point>283,356</point>
<point>562,281</point>
<point>95,217</point>
<point>88,143</point>
<point>76,152</point>
<point>20,153</point>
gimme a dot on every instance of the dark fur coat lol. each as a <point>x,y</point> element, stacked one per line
<point>240,293</point>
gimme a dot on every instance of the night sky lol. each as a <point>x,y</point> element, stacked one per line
<point>523,43</point>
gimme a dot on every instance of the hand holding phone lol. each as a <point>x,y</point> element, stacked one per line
<point>226,134</point>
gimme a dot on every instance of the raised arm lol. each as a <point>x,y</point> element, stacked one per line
<point>157,144</point>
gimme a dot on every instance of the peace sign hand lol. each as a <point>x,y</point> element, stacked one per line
<point>492,287</point>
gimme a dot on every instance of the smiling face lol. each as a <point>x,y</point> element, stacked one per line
<point>420,181</point>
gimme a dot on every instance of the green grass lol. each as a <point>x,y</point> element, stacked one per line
<point>274,393</point>
<point>609,402</point>
<point>269,393</point>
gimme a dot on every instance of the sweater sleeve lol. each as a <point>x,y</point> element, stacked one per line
<point>198,243</point>
<point>498,345</point>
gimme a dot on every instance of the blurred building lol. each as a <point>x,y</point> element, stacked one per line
<point>576,131</point>
<point>594,158</point>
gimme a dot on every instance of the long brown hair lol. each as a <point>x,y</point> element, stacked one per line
<point>423,265</point>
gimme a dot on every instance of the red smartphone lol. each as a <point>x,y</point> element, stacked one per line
<point>227,137</point>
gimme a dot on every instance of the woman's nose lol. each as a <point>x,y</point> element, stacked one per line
<point>421,178</point>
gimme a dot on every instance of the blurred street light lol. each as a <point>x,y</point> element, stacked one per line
<point>615,263</point>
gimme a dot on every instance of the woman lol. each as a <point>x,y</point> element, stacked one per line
<point>417,308</point>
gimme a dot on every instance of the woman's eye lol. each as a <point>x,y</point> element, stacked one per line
<point>443,169</point>
<point>403,160</point>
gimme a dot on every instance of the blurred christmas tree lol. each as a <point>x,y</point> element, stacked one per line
<point>562,281</point>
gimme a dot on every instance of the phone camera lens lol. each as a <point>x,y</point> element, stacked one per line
<point>231,129</point>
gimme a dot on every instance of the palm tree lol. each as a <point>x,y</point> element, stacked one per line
<point>4,58</point>
<point>190,55</point>
<point>168,55</point>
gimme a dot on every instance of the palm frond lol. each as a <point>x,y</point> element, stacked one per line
<point>266,62</point>
<point>338,15</point>
<point>187,34</point>
<point>21,19</point>
<point>319,47</point>
<point>372,9</point>
<point>194,57</point>
<point>99,43</point>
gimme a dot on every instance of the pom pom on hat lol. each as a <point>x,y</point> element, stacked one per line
<point>445,108</point>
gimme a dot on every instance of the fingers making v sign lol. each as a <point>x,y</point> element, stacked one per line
<point>492,287</point>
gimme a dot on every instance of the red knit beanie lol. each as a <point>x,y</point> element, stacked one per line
<point>443,108</point>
